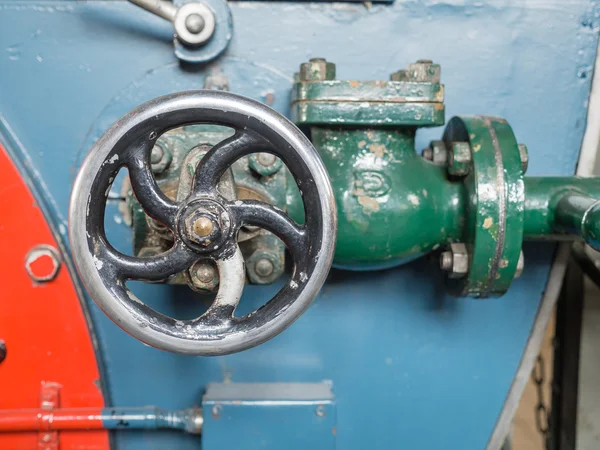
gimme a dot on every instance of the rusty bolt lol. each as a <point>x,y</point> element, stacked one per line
<point>459,159</point>
<point>455,260</point>
<point>2,351</point>
<point>204,276</point>
<point>524,154</point>
<point>42,263</point>
<point>317,69</point>
<point>520,265</point>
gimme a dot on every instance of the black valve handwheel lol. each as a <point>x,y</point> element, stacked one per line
<point>204,225</point>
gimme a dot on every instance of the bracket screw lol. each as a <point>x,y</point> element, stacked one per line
<point>317,69</point>
<point>459,159</point>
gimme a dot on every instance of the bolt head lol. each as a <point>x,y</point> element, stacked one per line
<point>266,159</point>
<point>264,267</point>
<point>203,226</point>
<point>317,69</point>
<point>194,23</point>
<point>42,263</point>
<point>204,276</point>
<point>459,159</point>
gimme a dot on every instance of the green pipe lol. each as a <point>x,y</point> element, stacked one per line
<point>579,215</point>
<point>549,214</point>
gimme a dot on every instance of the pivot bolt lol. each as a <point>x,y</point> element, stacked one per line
<point>455,260</point>
<point>459,159</point>
<point>194,23</point>
<point>524,157</point>
<point>42,263</point>
<point>266,159</point>
<point>317,69</point>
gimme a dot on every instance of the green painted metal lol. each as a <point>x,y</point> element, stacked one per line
<point>542,195</point>
<point>494,214</point>
<point>579,215</point>
<point>388,197</point>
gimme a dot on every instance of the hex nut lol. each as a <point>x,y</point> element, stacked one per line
<point>439,153</point>
<point>524,154</point>
<point>459,159</point>
<point>317,69</point>
<point>265,164</point>
<point>423,71</point>
<point>456,260</point>
<point>262,267</point>
<point>42,263</point>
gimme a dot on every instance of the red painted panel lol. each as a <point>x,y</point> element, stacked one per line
<point>42,324</point>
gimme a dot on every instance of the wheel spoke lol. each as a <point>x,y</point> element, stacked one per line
<point>273,219</point>
<point>155,268</point>
<point>214,164</point>
<point>155,203</point>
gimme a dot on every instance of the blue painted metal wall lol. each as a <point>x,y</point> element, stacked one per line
<point>411,368</point>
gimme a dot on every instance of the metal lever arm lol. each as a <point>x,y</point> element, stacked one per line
<point>160,8</point>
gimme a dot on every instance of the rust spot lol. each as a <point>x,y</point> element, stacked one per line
<point>370,134</point>
<point>378,150</point>
<point>369,204</point>
<point>269,98</point>
<point>488,222</point>
<point>354,84</point>
<point>333,430</point>
<point>438,106</point>
<point>361,144</point>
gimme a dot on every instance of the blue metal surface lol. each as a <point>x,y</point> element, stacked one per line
<point>246,415</point>
<point>404,358</point>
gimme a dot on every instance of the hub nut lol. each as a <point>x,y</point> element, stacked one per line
<point>42,263</point>
<point>201,228</point>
